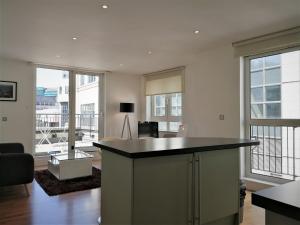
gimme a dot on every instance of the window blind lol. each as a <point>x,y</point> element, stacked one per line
<point>164,82</point>
<point>267,43</point>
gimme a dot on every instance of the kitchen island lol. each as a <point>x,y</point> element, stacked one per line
<point>169,181</point>
<point>281,203</point>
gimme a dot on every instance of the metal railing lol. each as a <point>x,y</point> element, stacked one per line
<point>53,128</point>
<point>278,154</point>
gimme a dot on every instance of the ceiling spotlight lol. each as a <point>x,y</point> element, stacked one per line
<point>149,52</point>
<point>74,38</point>
<point>121,64</point>
<point>57,56</point>
<point>104,6</point>
<point>196,32</point>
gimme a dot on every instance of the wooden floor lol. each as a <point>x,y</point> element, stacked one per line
<point>253,215</point>
<point>74,208</point>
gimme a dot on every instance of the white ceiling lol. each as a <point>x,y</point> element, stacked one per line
<point>39,30</point>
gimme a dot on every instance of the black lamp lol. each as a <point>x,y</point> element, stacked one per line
<point>126,107</point>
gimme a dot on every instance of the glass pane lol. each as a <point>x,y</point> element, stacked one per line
<point>256,78</point>
<point>273,76</point>
<point>257,111</point>
<point>162,126</point>
<point>273,110</point>
<point>52,110</point>
<point>176,111</point>
<point>160,100</point>
<point>160,111</point>
<point>273,60</point>
<point>273,93</point>
<point>176,100</point>
<point>256,64</point>
<point>174,126</point>
<point>275,130</point>
<point>159,105</point>
<point>256,94</point>
<point>87,113</point>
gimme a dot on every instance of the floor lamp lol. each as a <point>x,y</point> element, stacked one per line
<point>126,108</point>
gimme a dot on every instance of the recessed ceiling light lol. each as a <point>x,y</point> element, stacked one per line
<point>104,6</point>
<point>74,38</point>
<point>196,32</point>
<point>121,64</point>
<point>57,56</point>
<point>149,52</point>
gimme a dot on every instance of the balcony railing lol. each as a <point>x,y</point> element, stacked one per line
<point>278,154</point>
<point>52,129</point>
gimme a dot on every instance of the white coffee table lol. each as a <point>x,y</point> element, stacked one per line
<point>70,165</point>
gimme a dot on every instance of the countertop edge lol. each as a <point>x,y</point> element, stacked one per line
<point>276,206</point>
<point>175,151</point>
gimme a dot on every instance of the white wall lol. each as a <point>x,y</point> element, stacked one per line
<point>212,88</point>
<point>121,88</point>
<point>19,124</point>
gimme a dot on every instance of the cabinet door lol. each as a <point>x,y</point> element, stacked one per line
<point>217,187</point>
<point>162,190</point>
<point>116,189</point>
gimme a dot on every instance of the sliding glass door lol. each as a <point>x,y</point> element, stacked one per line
<point>52,110</point>
<point>68,109</point>
<point>89,116</point>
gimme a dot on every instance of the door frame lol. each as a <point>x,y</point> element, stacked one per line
<point>73,71</point>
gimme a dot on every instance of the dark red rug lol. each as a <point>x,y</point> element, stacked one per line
<point>52,186</point>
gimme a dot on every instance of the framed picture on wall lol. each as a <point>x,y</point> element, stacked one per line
<point>8,91</point>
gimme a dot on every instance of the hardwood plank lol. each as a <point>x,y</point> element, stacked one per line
<point>253,215</point>
<point>73,208</point>
<point>16,208</point>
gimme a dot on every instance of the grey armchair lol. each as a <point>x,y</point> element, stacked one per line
<point>16,167</point>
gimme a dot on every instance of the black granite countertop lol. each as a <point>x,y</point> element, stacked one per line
<point>283,199</point>
<point>141,148</point>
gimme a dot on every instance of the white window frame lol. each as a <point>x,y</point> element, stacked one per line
<point>247,113</point>
<point>72,98</point>
<point>168,108</point>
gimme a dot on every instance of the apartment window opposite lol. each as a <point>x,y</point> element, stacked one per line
<point>64,113</point>
<point>87,108</point>
<point>66,89</point>
<point>91,79</point>
<point>65,76</point>
<point>60,90</point>
<point>167,110</point>
<point>87,117</point>
<point>265,81</point>
<point>82,80</point>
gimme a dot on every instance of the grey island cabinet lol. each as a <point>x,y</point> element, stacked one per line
<point>170,181</point>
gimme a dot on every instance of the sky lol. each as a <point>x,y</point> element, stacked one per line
<point>49,78</point>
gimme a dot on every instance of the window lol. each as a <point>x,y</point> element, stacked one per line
<point>163,91</point>
<point>91,79</point>
<point>274,89</point>
<point>87,108</point>
<point>87,117</point>
<point>265,78</point>
<point>167,110</point>
<point>82,80</point>
<point>159,104</point>
<point>66,89</point>
<point>65,76</point>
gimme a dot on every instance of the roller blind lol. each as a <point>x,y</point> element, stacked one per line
<point>267,43</point>
<point>165,82</point>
